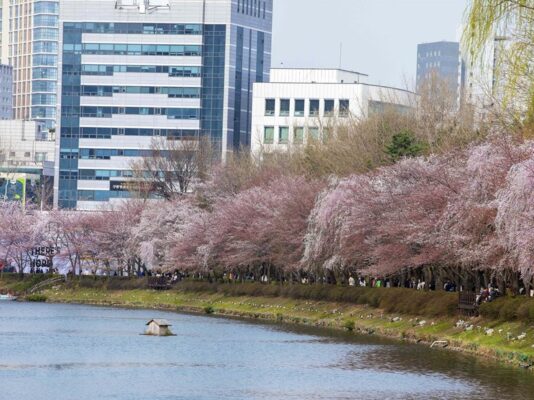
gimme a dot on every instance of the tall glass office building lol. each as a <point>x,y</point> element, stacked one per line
<point>29,43</point>
<point>132,70</point>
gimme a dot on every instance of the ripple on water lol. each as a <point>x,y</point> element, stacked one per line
<point>54,351</point>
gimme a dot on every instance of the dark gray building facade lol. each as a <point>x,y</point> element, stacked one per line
<point>442,59</point>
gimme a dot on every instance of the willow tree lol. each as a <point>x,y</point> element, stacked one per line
<point>508,27</point>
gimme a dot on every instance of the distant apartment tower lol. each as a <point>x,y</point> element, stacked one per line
<point>443,60</point>
<point>29,43</point>
<point>135,70</point>
<point>299,105</point>
<point>6,92</point>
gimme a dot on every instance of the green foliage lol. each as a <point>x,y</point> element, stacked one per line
<point>36,298</point>
<point>391,300</point>
<point>395,300</point>
<point>21,283</point>
<point>209,310</point>
<point>349,325</point>
<point>509,309</point>
<point>113,283</point>
<point>510,19</point>
<point>404,144</point>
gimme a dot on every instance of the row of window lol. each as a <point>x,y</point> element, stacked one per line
<point>44,73</point>
<point>314,107</point>
<point>134,28</point>
<point>95,174</point>
<point>44,112</point>
<point>47,60</point>
<point>108,112</point>
<point>109,70</point>
<point>102,195</point>
<point>38,156</point>
<point>44,86</point>
<point>46,20</point>
<point>45,47</point>
<point>100,174</point>
<point>44,99</point>
<point>133,49</point>
<point>255,8</point>
<point>282,136</point>
<point>107,133</point>
<point>45,34</point>
<point>106,154</point>
<point>109,91</point>
<point>46,7</point>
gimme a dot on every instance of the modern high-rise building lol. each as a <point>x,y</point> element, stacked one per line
<point>443,60</point>
<point>135,70</point>
<point>29,43</point>
<point>6,92</point>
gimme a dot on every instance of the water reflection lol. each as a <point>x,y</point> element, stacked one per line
<point>69,352</point>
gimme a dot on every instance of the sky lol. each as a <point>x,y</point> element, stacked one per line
<point>378,37</point>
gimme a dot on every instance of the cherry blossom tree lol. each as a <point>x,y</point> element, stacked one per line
<point>515,218</point>
<point>19,234</point>
<point>158,225</point>
<point>74,231</point>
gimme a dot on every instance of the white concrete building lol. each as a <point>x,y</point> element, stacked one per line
<point>22,148</point>
<point>301,103</point>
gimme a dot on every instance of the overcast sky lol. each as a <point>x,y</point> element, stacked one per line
<point>379,37</point>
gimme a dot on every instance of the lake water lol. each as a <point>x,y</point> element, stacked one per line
<point>58,352</point>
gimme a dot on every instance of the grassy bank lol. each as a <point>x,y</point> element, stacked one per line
<point>504,332</point>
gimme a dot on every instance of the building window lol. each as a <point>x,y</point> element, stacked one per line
<point>269,107</point>
<point>299,108</point>
<point>27,154</point>
<point>314,108</point>
<point>268,135</point>
<point>284,107</point>
<point>314,133</point>
<point>329,106</point>
<point>344,108</point>
<point>283,134</point>
<point>298,135</point>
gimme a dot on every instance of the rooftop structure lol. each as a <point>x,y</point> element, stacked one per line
<point>315,75</point>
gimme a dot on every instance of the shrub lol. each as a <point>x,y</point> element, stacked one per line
<point>209,310</point>
<point>37,298</point>
<point>349,325</point>
<point>22,283</point>
<point>509,308</point>
<point>526,311</point>
<point>399,300</point>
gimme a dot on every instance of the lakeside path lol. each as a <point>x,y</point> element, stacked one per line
<point>509,342</point>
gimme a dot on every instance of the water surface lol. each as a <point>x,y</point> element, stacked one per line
<point>59,352</point>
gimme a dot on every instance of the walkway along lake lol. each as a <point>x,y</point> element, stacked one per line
<point>60,352</point>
